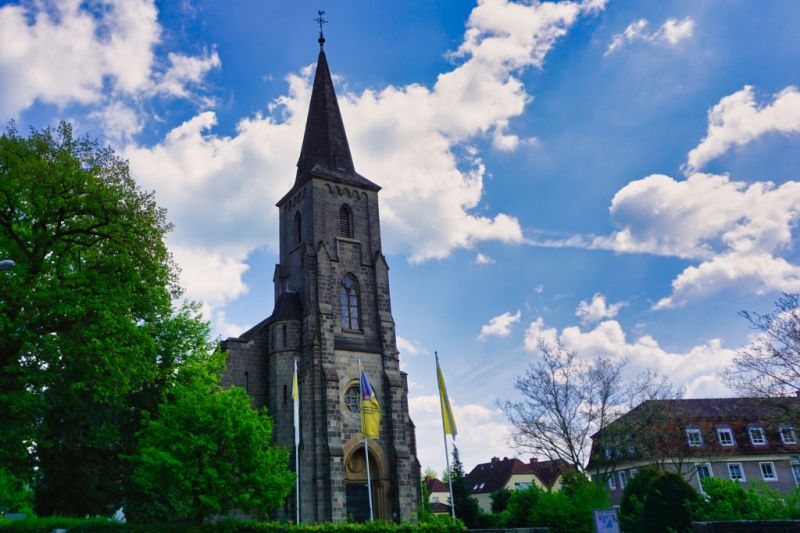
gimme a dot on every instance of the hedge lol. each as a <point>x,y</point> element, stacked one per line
<point>103,525</point>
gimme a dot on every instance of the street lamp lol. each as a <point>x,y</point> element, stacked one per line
<point>6,264</point>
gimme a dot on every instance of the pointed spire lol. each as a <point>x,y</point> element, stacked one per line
<point>325,141</point>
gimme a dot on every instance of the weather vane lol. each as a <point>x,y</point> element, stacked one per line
<point>319,20</point>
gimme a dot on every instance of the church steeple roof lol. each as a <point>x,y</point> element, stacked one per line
<point>325,151</point>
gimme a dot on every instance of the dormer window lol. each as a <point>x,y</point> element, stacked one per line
<point>694,437</point>
<point>345,222</point>
<point>788,436</point>
<point>725,436</point>
<point>757,436</point>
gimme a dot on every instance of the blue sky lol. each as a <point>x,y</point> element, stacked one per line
<point>620,176</point>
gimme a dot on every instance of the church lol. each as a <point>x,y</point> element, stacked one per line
<point>332,307</point>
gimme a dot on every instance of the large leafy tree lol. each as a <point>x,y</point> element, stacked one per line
<point>89,339</point>
<point>208,453</point>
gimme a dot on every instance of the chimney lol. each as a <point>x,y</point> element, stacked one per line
<point>797,393</point>
<point>534,460</point>
<point>495,459</point>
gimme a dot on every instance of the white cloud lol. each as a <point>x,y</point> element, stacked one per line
<point>735,229</point>
<point>500,325</point>
<point>693,368</point>
<point>414,140</point>
<point>482,432</point>
<point>77,52</point>
<point>737,120</point>
<point>481,259</point>
<point>539,289</point>
<point>597,309</point>
<point>184,71</point>
<point>409,347</point>
<point>537,330</point>
<point>671,32</point>
<point>119,122</point>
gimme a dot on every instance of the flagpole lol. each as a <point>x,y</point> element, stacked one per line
<point>444,436</point>
<point>366,447</point>
<point>297,448</point>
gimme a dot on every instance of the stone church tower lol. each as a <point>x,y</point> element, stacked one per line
<point>332,307</point>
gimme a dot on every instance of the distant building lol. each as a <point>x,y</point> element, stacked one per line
<point>513,474</point>
<point>744,439</point>
<point>438,495</point>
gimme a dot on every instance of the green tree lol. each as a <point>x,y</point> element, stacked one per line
<point>500,500</point>
<point>566,511</point>
<point>725,499</point>
<point>89,339</point>
<point>208,453</point>
<point>632,504</point>
<point>466,507</point>
<point>668,504</point>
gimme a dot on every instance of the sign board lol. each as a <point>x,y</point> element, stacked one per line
<point>606,521</point>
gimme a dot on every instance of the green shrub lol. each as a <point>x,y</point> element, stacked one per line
<point>726,499</point>
<point>669,503</point>
<point>567,511</point>
<point>632,503</point>
<point>500,500</point>
<point>441,524</point>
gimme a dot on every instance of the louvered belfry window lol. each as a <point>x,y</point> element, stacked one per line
<point>345,222</point>
<point>350,315</point>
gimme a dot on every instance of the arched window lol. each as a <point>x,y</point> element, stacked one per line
<point>298,229</point>
<point>350,315</point>
<point>345,222</point>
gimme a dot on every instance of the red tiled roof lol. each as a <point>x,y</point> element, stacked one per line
<point>434,485</point>
<point>494,475</point>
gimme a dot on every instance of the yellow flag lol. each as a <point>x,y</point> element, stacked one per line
<point>448,420</point>
<point>370,410</point>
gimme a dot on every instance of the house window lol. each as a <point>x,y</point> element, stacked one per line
<point>694,436</point>
<point>298,229</point>
<point>521,486</point>
<point>350,315</point>
<point>345,222</point>
<point>634,471</point>
<point>352,400</point>
<point>283,335</point>
<point>703,472</point>
<point>434,499</point>
<point>736,472</point>
<point>788,436</point>
<point>757,437</point>
<point>796,471</point>
<point>725,436</point>
<point>768,472</point>
<point>612,482</point>
<point>622,479</point>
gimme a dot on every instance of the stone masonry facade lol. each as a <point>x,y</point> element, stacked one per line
<point>306,326</point>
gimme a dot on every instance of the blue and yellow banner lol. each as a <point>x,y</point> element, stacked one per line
<point>370,410</point>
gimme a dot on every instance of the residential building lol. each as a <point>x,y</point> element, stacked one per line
<point>438,495</point>
<point>513,474</point>
<point>743,439</point>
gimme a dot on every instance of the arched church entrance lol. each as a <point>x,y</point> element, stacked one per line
<point>355,479</point>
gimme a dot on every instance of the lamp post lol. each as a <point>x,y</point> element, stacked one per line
<point>6,264</point>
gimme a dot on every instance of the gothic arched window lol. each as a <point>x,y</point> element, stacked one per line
<point>350,315</point>
<point>345,222</point>
<point>298,229</point>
